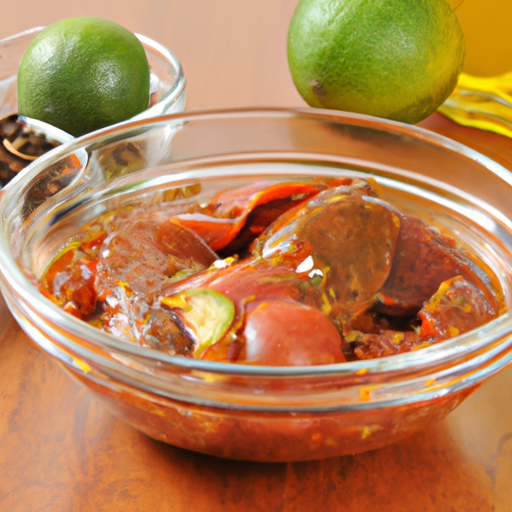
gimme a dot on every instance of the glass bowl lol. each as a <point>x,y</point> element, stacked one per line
<point>167,78</point>
<point>167,83</point>
<point>252,412</point>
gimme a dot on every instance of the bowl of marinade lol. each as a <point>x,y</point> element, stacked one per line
<point>266,285</point>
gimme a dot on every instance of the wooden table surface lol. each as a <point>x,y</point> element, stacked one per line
<point>60,451</point>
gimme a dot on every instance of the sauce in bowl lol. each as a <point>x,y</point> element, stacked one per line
<point>278,273</point>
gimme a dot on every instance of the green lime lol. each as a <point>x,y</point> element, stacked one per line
<point>82,74</point>
<point>398,59</point>
<point>206,314</point>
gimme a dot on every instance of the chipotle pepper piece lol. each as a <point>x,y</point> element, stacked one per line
<point>424,259</point>
<point>456,307</point>
<point>143,252</point>
<point>347,239</point>
<point>219,222</point>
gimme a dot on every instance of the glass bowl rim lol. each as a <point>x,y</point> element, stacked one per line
<point>427,357</point>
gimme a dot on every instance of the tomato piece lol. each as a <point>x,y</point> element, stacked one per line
<point>281,333</point>
<point>69,279</point>
<point>242,282</point>
<point>457,307</point>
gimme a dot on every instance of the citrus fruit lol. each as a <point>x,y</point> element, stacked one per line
<point>82,74</point>
<point>398,59</point>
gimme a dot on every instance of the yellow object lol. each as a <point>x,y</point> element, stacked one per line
<point>482,102</point>
<point>83,74</point>
<point>397,59</point>
<point>486,27</point>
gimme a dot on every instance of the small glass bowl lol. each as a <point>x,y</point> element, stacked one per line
<point>167,78</point>
<point>255,412</point>
<point>167,87</point>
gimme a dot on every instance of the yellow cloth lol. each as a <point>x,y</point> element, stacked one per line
<point>482,102</point>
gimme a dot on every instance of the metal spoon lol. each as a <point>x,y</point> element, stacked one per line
<point>23,140</point>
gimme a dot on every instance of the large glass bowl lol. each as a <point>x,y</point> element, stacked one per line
<point>255,412</point>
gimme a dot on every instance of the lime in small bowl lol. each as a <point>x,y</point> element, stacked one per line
<point>167,89</point>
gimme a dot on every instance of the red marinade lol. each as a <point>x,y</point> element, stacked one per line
<point>274,273</point>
